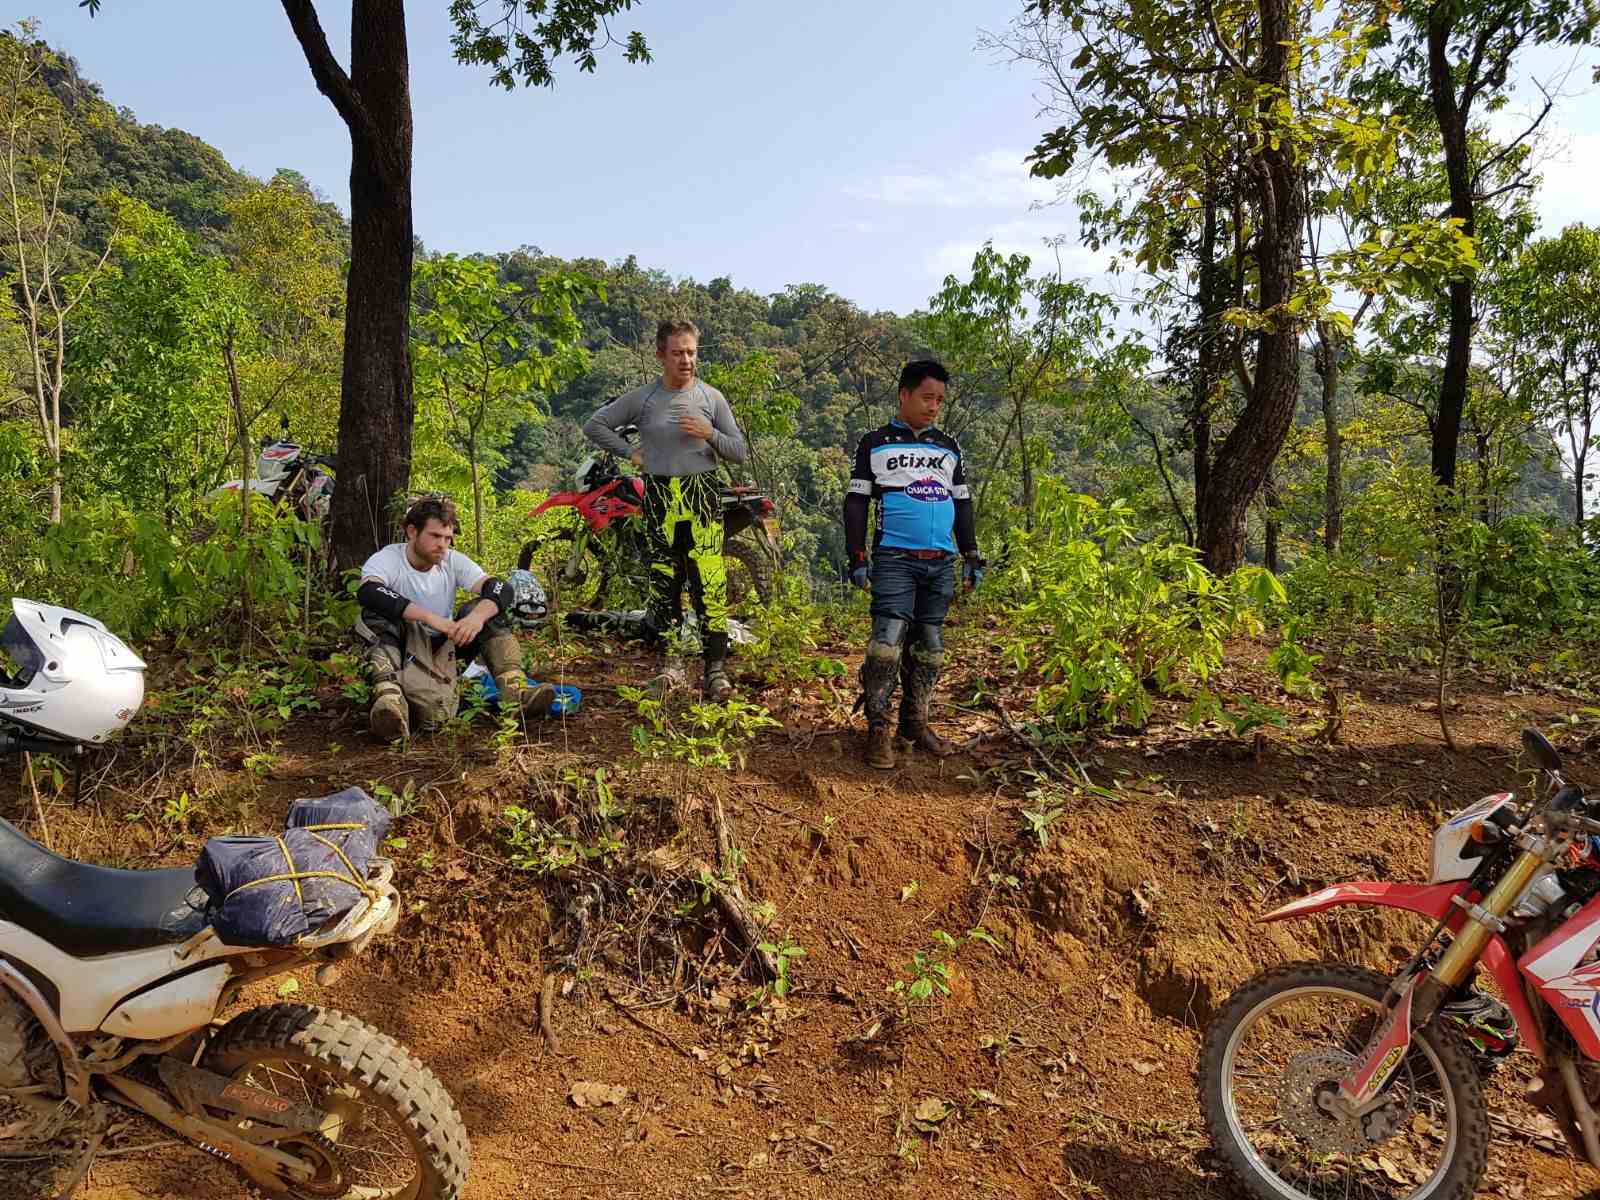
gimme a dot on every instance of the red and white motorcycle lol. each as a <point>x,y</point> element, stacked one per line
<point>609,549</point>
<point>289,476</point>
<point>1326,1079</point>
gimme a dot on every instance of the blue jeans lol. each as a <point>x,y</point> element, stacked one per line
<point>915,590</point>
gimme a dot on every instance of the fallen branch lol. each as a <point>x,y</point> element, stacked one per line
<point>568,1166</point>
<point>1534,1137</point>
<point>1081,779</point>
<point>665,1038</point>
<point>547,1004</point>
<point>730,899</point>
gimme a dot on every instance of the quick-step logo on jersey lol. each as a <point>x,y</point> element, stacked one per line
<point>928,490</point>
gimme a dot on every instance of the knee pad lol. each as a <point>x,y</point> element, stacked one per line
<point>928,640</point>
<point>889,631</point>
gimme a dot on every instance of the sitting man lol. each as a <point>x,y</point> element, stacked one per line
<point>410,640</point>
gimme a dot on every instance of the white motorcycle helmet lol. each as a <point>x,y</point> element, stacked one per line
<point>74,680</point>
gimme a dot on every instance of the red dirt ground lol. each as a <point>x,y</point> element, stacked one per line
<point>1060,1065</point>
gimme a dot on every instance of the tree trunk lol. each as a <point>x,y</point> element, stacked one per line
<point>1453,122</point>
<point>1028,485</point>
<point>477,498</point>
<point>376,409</point>
<point>1246,456</point>
<point>1329,365</point>
<point>1208,354</point>
<point>1269,549</point>
<point>1481,448</point>
<point>1588,440</point>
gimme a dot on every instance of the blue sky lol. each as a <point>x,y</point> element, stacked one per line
<point>866,145</point>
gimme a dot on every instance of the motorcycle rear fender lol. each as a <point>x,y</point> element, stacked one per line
<point>1429,900</point>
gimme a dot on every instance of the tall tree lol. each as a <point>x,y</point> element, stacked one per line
<point>486,347</point>
<point>1460,55</point>
<point>1019,338</point>
<point>377,408</point>
<point>1553,312</point>
<point>42,278</point>
<point>1183,97</point>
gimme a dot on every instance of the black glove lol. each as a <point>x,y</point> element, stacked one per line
<point>972,570</point>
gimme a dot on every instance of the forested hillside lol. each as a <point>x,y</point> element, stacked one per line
<point>808,369</point>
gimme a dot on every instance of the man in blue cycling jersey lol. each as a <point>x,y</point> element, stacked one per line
<point>910,474</point>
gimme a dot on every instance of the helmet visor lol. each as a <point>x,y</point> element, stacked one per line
<point>19,656</point>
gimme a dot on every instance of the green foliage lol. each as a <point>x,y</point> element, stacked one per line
<point>1294,664</point>
<point>1040,814</point>
<point>524,43</point>
<point>1106,622</point>
<point>483,349</point>
<point>133,573</point>
<point>929,971</point>
<point>705,734</point>
<point>783,954</point>
<point>788,633</point>
<point>535,845</point>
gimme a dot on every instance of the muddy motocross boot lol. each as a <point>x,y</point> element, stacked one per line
<point>717,685</point>
<point>879,670</point>
<point>880,746</point>
<point>919,671</point>
<point>390,717</point>
<point>503,657</point>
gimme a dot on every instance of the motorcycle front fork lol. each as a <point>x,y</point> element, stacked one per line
<point>1415,999</point>
<point>572,569</point>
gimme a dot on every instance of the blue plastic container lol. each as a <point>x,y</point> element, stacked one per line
<point>568,698</point>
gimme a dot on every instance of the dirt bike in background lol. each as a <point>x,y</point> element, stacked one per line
<point>1326,1079</point>
<point>606,552</point>
<point>290,477</point>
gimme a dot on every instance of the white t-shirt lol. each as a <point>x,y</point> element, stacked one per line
<point>433,589</point>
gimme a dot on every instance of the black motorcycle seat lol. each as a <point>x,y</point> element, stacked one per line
<point>88,911</point>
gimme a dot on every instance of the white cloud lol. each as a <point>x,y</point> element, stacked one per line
<point>996,179</point>
<point>1023,237</point>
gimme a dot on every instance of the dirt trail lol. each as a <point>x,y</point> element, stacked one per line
<point>1061,1063</point>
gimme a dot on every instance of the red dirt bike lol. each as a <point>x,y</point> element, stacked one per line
<point>1321,1080</point>
<point>605,557</point>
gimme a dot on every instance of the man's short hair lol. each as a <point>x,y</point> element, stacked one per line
<point>667,330</point>
<point>432,508</point>
<point>917,370</point>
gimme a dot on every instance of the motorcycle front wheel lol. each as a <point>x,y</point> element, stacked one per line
<point>395,1133</point>
<point>1281,1044</point>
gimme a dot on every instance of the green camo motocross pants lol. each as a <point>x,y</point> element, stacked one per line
<point>684,517</point>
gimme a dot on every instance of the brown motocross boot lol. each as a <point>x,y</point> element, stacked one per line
<point>919,671</point>
<point>927,740</point>
<point>880,746</point>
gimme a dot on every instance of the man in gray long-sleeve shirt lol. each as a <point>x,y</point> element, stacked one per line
<point>685,429</point>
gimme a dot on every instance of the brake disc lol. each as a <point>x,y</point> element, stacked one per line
<point>313,1148</point>
<point>1312,1076</point>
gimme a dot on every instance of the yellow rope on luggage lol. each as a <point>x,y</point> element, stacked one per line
<point>294,875</point>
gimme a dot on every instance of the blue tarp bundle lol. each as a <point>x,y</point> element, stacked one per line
<point>268,891</point>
